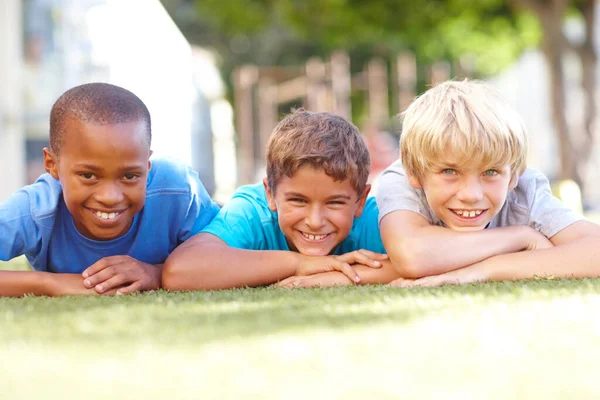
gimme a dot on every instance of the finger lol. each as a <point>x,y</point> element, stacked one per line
<point>285,281</point>
<point>356,257</point>
<point>374,255</point>
<point>402,282</point>
<point>101,264</point>
<point>347,270</point>
<point>134,287</point>
<point>101,276</point>
<point>112,283</point>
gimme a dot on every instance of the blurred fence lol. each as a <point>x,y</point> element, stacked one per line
<point>321,85</point>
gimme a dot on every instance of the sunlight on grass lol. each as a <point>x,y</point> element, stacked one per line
<point>535,339</point>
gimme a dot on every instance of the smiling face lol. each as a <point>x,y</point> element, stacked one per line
<point>465,197</point>
<point>103,170</point>
<point>315,211</point>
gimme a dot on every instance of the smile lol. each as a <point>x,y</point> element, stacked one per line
<point>106,216</point>
<point>467,213</point>
<point>316,238</point>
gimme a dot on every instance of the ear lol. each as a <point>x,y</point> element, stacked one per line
<point>51,163</point>
<point>414,181</point>
<point>362,200</point>
<point>270,196</point>
<point>149,162</point>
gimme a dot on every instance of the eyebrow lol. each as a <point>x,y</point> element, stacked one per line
<point>334,197</point>
<point>97,168</point>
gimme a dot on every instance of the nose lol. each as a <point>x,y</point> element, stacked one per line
<point>315,218</point>
<point>109,194</point>
<point>470,190</point>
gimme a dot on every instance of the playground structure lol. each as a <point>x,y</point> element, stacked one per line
<point>320,86</point>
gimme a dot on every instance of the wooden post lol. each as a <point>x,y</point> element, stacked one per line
<point>377,91</point>
<point>244,78</point>
<point>341,84</point>
<point>267,115</point>
<point>406,80</point>
<point>316,92</point>
<point>439,72</point>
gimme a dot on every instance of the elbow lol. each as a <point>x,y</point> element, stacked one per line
<point>172,277</point>
<point>409,261</point>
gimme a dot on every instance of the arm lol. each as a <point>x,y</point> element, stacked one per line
<point>418,249</point>
<point>207,262</point>
<point>20,283</point>
<point>385,274</point>
<point>576,254</point>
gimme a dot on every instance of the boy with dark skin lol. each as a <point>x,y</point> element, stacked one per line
<point>104,218</point>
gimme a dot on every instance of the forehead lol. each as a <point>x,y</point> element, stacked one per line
<point>461,157</point>
<point>106,144</point>
<point>314,183</point>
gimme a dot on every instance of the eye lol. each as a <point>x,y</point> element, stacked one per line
<point>337,202</point>
<point>130,177</point>
<point>297,200</point>
<point>87,175</point>
<point>491,172</point>
<point>448,171</point>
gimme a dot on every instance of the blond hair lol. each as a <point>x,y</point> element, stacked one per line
<point>468,118</point>
<point>321,140</point>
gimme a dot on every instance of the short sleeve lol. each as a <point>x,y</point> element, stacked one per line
<point>201,209</point>
<point>548,214</point>
<point>238,225</point>
<point>19,234</point>
<point>395,193</point>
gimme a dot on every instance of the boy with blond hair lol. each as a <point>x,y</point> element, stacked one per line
<point>306,223</point>
<point>461,206</point>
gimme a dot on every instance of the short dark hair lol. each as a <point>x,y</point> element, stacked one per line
<point>322,140</point>
<point>96,103</point>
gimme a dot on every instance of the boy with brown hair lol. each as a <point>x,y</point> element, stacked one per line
<point>461,206</point>
<point>313,202</point>
<point>104,218</point>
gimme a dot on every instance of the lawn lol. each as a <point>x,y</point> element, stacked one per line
<point>534,339</point>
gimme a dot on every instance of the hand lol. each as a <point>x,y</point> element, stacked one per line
<point>70,285</point>
<point>310,265</point>
<point>537,241</point>
<point>318,280</point>
<point>124,273</point>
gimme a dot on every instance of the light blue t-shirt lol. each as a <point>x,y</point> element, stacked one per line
<point>246,222</point>
<point>35,222</point>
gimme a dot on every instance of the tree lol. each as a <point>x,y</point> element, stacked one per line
<point>492,32</point>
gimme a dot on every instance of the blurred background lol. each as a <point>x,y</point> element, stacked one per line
<point>217,75</point>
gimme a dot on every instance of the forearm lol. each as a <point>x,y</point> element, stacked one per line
<point>20,283</point>
<point>215,266</point>
<point>577,259</point>
<point>434,250</point>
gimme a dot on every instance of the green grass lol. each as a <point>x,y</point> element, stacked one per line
<point>534,339</point>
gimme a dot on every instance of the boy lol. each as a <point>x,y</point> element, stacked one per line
<point>101,220</point>
<point>461,206</point>
<point>312,202</point>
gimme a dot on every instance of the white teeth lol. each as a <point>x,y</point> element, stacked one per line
<point>467,213</point>
<point>314,237</point>
<point>104,215</point>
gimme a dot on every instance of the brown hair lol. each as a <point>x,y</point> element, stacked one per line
<point>322,140</point>
<point>96,103</point>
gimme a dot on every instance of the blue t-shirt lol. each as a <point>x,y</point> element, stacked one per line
<point>35,222</point>
<point>246,222</point>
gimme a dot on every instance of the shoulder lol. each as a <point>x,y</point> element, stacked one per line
<point>171,174</point>
<point>42,197</point>
<point>250,197</point>
<point>528,188</point>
